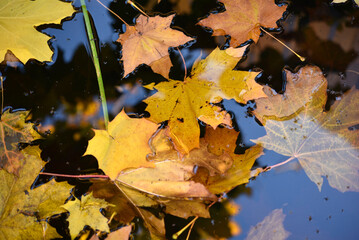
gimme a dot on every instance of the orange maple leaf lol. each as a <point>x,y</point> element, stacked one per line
<point>242,19</point>
<point>148,41</point>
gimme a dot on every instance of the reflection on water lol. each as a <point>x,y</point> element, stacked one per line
<point>63,97</point>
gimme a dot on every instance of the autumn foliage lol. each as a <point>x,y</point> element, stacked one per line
<point>160,164</point>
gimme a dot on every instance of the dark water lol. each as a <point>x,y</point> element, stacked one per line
<point>62,93</point>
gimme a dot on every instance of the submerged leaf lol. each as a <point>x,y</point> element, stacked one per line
<point>271,228</point>
<point>211,80</point>
<point>302,88</point>
<point>323,142</point>
<point>18,19</point>
<point>242,19</point>
<point>14,130</point>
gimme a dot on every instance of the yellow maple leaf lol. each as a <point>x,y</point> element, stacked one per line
<point>18,19</point>
<point>211,80</point>
<point>124,145</point>
<point>149,41</point>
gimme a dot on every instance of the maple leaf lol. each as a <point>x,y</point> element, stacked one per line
<point>211,80</point>
<point>121,234</point>
<point>86,212</point>
<point>343,1</point>
<point>21,206</point>
<point>223,140</point>
<point>149,41</point>
<point>18,19</point>
<point>242,19</point>
<point>14,130</point>
<point>124,145</point>
<point>302,88</point>
<point>323,142</point>
<point>270,228</point>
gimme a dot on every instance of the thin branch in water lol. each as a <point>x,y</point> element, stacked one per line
<point>103,5</point>
<point>300,57</point>
<point>73,176</point>
<point>184,63</point>
<point>135,6</point>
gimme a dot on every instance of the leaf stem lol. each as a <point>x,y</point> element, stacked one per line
<point>2,94</point>
<point>177,234</point>
<point>184,63</point>
<point>296,54</point>
<point>280,164</point>
<point>73,176</point>
<point>103,5</point>
<point>139,9</point>
<point>96,62</point>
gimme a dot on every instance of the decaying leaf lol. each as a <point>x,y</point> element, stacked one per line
<point>325,143</point>
<point>211,80</point>
<point>271,228</point>
<point>224,140</point>
<point>86,212</point>
<point>124,145</point>
<point>302,88</point>
<point>242,19</point>
<point>14,130</point>
<point>18,19</point>
<point>18,214</point>
<point>149,41</point>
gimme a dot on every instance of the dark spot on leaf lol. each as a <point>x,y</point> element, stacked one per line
<point>180,119</point>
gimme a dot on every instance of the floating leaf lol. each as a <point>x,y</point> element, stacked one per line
<point>211,80</point>
<point>124,145</point>
<point>302,88</point>
<point>242,19</point>
<point>18,214</point>
<point>86,212</point>
<point>324,142</point>
<point>149,41</point>
<point>18,19</point>
<point>271,228</point>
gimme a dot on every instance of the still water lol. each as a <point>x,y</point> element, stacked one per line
<point>63,97</point>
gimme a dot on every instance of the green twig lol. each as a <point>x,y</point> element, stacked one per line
<point>95,61</point>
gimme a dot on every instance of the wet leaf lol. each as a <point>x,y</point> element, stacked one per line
<point>20,205</point>
<point>18,19</point>
<point>86,212</point>
<point>242,19</point>
<point>124,145</point>
<point>211,80</point>
<point>302,88</point>
<point>271,228</point>
<point>323,142</point>
<point>120,234</point>
<point>167,179</point>
<point>149,41</point>
<point>14,130</point>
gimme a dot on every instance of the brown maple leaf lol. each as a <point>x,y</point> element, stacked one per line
<point>242,19</point>
<point>149,41</point>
